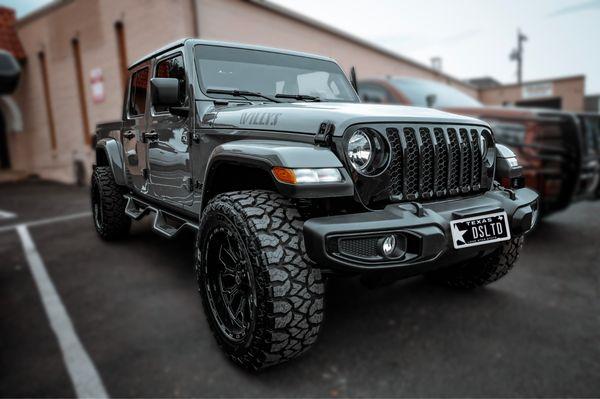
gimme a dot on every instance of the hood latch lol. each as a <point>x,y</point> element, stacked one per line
<point>323,136</point>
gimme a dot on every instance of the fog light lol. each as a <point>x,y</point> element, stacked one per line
<point>388,245</point>
<point>392,246</point>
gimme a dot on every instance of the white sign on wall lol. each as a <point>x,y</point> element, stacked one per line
<point>537,90</point>
<point>97,83</point>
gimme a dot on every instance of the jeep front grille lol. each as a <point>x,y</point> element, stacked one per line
<point>435,162</point>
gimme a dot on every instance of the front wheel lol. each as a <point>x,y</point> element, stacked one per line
<point>261,296</point>
<point>483,270</point>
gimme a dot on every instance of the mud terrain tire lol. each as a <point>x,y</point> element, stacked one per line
<point>287,292</point>
<point>108,205</point>
<point>481,271</point>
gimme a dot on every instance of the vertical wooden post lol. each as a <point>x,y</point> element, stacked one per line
<point>81,90</point>
<point>122,52</point>
<point>47,98</point>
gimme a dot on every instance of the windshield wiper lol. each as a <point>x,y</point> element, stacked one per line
<point>241,93</point>
<point>304,97</point>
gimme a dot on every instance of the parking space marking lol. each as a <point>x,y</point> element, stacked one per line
<point>81,369</point>
<point>7,215</point>
<point>42,222</point>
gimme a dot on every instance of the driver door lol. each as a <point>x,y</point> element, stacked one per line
<point>169,161</point>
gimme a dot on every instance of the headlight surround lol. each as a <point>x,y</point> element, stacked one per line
<point>367,151</point>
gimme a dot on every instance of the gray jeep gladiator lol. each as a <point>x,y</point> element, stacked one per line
<point>287,178</point>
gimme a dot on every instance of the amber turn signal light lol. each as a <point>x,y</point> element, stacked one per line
<point>284,175</point>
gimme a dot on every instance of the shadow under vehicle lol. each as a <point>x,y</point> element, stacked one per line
<point>550,145</point>
<point>286,177</point>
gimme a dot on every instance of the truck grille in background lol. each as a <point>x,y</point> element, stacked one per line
<point>434,162</point>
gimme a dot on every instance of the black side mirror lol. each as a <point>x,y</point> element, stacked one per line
<point>10,72</point>
<point>165,92</point>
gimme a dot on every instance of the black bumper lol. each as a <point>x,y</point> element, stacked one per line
<point>426,229</point>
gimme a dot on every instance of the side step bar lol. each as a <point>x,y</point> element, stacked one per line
<point>166,223</point>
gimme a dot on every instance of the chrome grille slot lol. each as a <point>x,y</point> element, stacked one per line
<point>434,161</point>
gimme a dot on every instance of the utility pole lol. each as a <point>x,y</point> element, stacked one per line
<point>517,55</point>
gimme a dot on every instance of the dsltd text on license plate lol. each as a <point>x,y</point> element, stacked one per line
<point>479,230</point>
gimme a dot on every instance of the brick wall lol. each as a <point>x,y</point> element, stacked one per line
<point>148,25</point>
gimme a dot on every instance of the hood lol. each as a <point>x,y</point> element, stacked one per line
<point>307,117</point>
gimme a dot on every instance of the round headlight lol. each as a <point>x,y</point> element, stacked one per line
<point>360,151</point>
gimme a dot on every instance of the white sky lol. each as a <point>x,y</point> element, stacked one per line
<point>473,37</point>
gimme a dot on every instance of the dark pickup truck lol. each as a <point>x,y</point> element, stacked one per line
<point>553,147</point>
<point>287,178</point>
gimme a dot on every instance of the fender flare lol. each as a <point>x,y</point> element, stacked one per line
<point>113,151</point>
<point>266,154</point>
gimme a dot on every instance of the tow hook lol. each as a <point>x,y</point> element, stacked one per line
<point>419,210</point>
<point>511,193</point>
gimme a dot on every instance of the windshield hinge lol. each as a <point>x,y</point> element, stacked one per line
<point>323,136</point>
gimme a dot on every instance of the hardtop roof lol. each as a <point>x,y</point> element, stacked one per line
<point>192,42</point>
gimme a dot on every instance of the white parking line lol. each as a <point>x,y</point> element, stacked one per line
<point>41,222</point>
<point>7,215</point>
<point>81,369</point>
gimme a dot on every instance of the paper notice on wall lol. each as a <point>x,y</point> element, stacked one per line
<point>97,83</point>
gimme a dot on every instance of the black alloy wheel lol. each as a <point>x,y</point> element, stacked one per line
<point>229,283</point>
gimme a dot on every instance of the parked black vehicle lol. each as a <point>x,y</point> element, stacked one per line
<point>270,156</point>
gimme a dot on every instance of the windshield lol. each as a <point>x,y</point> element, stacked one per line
<point>439,95</point>
<point>269,73</point>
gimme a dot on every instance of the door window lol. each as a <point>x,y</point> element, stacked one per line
<point>137,92</point>
<point>172,68</point>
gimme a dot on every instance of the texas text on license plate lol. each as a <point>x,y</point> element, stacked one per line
<point>479,230</point>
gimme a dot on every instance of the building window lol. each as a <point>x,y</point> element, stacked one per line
<point>81,90</point>
<point>47,98</point>
<point>137,92</point>
<point>122,52</point>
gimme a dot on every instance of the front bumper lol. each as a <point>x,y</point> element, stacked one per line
<point>347,242</point>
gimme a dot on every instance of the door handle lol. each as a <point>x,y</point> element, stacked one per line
<point>129,134</point>
<point>151,135</point>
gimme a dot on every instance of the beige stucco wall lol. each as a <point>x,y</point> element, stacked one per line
<point>570,90</point>
<point>148,25</point>
<point>240,21</point>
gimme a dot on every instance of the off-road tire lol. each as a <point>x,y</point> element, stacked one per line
<point>483,270</point>
<point>111,223</point>
<point>289,291</point>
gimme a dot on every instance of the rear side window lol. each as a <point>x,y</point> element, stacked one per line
<point>137,92</point>
<point>172,68</point>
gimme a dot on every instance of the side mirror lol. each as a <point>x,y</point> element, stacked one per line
<point>430,100</point>
<point>10,72</point>
<point>165,92</point>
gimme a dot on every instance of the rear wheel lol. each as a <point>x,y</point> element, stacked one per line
<point>262,298</point>
<point>483,270</point>
<point>108,205</point>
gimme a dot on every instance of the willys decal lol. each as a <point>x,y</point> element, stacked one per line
<point>260,118</point>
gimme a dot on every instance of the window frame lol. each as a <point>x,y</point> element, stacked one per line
<point>129,91</point>
<point>158,60</point>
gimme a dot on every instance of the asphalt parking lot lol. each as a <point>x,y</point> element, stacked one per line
<point>134,308</point>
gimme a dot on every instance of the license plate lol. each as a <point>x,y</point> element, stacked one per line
<point>479,230</point>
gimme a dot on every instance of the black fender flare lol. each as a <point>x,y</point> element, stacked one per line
<point>266,154</point>
<point>112,150</point>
